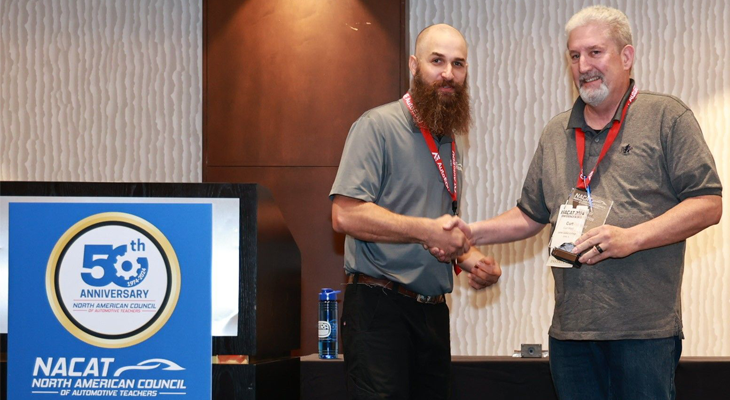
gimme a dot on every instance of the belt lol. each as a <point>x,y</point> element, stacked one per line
<point>362,279</point>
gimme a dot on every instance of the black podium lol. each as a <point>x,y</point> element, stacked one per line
<point>257,363</point>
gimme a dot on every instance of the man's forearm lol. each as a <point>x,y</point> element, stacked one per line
<point>369,222</point>
<point>469,259</point>
<point>682,221</point>
<point>508,227</point>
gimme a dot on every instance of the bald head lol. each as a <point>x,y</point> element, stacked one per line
<point>434,34</point>
<point>440,55</point>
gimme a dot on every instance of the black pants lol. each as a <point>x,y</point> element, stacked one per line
<point>394,346</point>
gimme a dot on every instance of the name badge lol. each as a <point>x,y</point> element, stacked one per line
<point>568,229</point>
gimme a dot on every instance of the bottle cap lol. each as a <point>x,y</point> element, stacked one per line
<point>328,294</point>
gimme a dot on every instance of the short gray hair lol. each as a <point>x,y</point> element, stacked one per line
<point>615,20</point>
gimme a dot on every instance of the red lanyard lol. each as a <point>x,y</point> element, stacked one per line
<point>434,150</point>
<point>580,143</point>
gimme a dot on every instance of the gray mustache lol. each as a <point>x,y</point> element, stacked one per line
<point>584,77</point>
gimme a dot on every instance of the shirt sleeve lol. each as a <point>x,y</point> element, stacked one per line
<point>690,163</point>
<point>361,170</point>
<point>532,199</point>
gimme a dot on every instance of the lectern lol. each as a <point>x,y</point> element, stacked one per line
<point>257,362</point>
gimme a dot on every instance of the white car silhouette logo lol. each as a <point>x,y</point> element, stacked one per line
<point>151,364</point>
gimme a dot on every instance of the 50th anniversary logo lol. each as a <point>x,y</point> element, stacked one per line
<point>113,280</point>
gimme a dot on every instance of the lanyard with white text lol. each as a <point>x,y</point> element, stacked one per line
<point>584,182</point>
<point>434,150</point>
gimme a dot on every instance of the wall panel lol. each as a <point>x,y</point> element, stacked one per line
<point>285,79</point>
<point>101,90</point>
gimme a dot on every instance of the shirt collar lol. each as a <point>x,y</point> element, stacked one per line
<point>409,118</point>
<point>577,120</point>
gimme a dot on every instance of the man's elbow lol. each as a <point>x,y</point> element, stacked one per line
<point>339,222</point>
<point>716,212</point>
<point>711,211</point>
<point>344,212</point>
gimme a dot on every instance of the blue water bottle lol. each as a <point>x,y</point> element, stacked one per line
<point>328,323</point>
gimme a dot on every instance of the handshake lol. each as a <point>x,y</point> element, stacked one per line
<point>448,238</point>
<point>451,238</point>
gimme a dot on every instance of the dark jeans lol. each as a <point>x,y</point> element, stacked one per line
<point>615,369</point>
<point>394,346</point>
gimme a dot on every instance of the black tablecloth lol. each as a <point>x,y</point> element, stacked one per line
<point>501,378</point>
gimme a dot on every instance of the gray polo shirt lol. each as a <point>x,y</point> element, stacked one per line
<point>658,159</point>
<point>386,161</point>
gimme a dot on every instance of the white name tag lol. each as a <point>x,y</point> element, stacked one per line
<point>568,229</point>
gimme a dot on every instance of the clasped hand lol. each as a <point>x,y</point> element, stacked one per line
<point>452,225</point>
<point>484,271</point>
<point>447,244</point>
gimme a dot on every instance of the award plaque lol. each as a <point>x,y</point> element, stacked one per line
<point>564,253</point>
<point>577,216</point>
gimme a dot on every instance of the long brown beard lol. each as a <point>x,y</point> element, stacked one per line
<point>445,114</point>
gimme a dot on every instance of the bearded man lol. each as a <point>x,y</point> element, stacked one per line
<point>396,187</point>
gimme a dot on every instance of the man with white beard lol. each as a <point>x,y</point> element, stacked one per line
<point>637,160</point>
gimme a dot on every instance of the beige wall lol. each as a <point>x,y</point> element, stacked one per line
<point>101,90</point>
<point>519,80</point>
